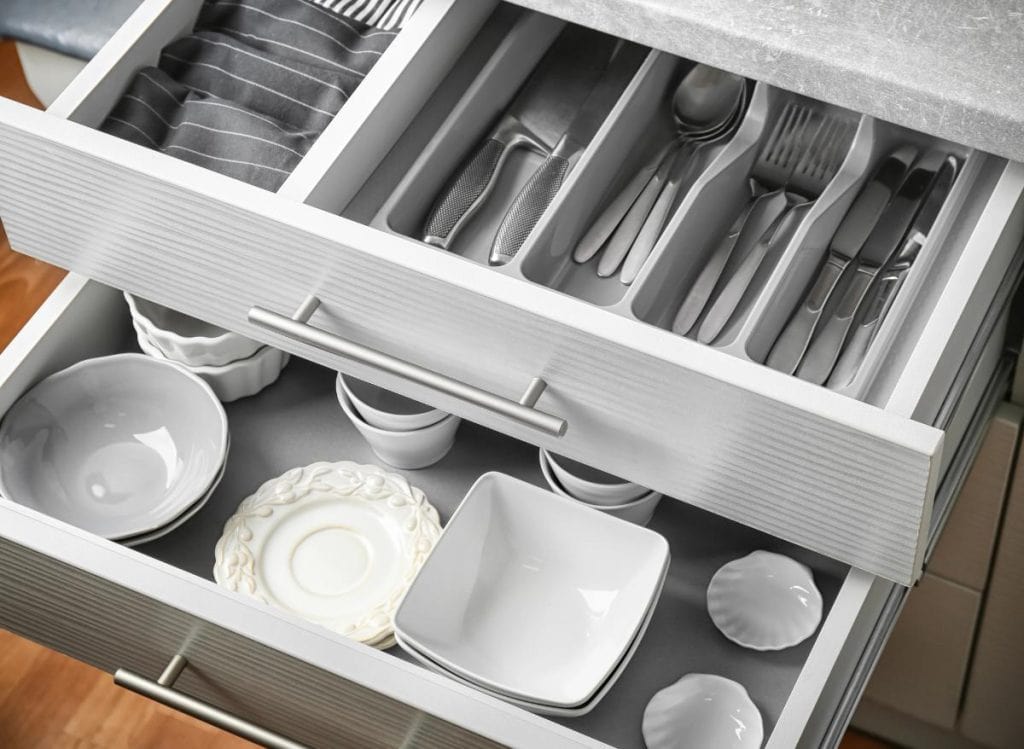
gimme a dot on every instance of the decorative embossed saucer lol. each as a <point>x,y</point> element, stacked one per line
<point>335,543</point>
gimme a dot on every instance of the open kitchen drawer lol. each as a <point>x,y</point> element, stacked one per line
<point>124,608</point>
<point>852,478</point>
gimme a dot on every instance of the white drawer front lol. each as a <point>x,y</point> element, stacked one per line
<point>837,476</point>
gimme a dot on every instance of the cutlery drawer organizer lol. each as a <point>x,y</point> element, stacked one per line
<point>718,431</point>
<point>135,608</point>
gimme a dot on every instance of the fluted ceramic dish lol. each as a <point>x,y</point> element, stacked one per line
<point>185,339</point>
<point>639,511</point>
<point>118,446</point>
<point>591,485</point>
<point>511,601</point>
<point>702,711</point>
<point>409,450</point>
<point>387,410</point>
<point>335,543</point>
<point>764,601</point>
<point>239,379</point>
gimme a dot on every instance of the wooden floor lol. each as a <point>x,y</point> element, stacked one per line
<point>47,700</point>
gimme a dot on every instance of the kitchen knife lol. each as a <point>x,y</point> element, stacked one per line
<point>853,231</point>
<point>880,245</point>
<point>535,120</point>
<point>535,196</point>
<point>874,309</point>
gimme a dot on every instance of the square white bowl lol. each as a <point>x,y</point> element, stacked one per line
<point>531,594</point>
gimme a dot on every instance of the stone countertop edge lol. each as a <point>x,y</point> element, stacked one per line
<point>950,68</point>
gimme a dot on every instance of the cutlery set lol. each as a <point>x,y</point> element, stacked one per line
<point>828,334</point>
<point>556,114</point>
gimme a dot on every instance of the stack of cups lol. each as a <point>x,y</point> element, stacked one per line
<point>402,432</point>
<point>599,490</point>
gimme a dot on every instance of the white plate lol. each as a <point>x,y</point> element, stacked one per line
<point>764,601</point>
<point>335,543</point>
<point>512,601</point>
<point>536,707</point>
<point>702,711</point>
<point>118,445</point>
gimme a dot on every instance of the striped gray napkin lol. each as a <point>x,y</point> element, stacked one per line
<point>252,87</point>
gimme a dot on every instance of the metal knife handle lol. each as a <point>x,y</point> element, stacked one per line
<point>875,309</point>
<point>725,304</point>
<point>599,232</point>
<point>527,208</point>
<point>467,193</point>
<point>824,349</point>
<point>791,344</point>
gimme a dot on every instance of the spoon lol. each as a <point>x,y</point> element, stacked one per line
<point>703,105</point>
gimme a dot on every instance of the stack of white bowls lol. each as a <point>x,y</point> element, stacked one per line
<point>402,432</point>
<point>512,604</point>
<point>126,447</point>
<point>599,490</point>
<point>233,365</point>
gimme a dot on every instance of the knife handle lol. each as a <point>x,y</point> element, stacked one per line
<point>527,208</point>
<point>875,309</point>
<point>824,350</point>
<point>791,344</point>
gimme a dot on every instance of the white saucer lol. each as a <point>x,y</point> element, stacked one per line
<point>335,543</point>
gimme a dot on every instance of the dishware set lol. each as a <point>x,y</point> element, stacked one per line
<point>596,489</point>
<point>400,431</point>
<point>233,365</point>
<point>798,160</point>
<point>555,115</point>
<point>707,107</point>
<point>512,605</point>
<point>828,334</point>
<point>125,446</point>
<point>337,544</point>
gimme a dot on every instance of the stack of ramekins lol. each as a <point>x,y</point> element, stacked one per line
<point>603,492</point>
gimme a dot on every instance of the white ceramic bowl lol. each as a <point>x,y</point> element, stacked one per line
<point>239,379</point>
<point>591,485</point>
<point>639,511</point>
<point>702,711</point>
<point>511,601</point>
<point>187,340</point>
<point>409,450</point>
<point>387,410</point>
<point>764,601</point>
<point>118,445</point>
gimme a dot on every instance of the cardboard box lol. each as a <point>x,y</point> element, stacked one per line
<point>993,711</point>
<point>964,552</point>
<point>922,670</point>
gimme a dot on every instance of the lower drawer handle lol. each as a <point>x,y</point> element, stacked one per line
<point>161,691</point>
<point>297,328</point>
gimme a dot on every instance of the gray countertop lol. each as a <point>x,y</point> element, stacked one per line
<point>951,68</point>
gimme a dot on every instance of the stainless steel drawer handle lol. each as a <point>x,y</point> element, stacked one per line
<point>161,691</point>
<point>297,327</point>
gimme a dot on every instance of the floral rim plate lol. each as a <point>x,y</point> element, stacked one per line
<point>335,543</point>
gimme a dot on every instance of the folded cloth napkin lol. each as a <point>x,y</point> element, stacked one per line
<point>249,91</point>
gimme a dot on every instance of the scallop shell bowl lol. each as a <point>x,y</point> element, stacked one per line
<point>765,601</point>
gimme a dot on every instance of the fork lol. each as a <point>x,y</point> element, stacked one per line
<point>775,162</point>
<point>818,164</point>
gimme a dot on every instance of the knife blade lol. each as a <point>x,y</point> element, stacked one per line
<point>880,245</point>
<point>536,119</point>
<point>874,309</point>
<point>788,349</point>
<point>535,196</point>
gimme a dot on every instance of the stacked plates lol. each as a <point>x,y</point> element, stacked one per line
<point>233,365</point>
<point>126,447</point>
<point>335,543</point>
<point>510,604</point>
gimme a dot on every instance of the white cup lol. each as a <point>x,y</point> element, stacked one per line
<point>589,484</point>
<point>387,410</point>
<point>638,511</point>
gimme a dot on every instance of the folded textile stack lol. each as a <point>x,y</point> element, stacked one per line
<point>256,82</point>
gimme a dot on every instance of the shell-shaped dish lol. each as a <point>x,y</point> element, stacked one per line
<point>335,543</point>
<point>702,711</point>
<point>764,601</point>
